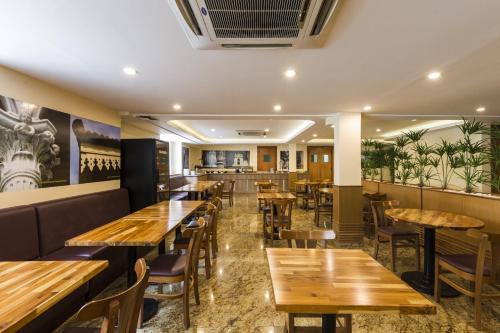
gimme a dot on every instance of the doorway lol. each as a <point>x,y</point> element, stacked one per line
<point>267,158</point>
<point>320,162</point>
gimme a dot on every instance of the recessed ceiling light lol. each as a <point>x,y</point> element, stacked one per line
<point>130,71</point>
<point>266,130</point>
<point>434,75</point>
<point>414,120</point>
<point>277,107</point>
<point>333,126</point>
<point>177,106</point>
<point>212,129</point>
<point>378,130</point>
<point>220,136</point>
<point>290,73</point>
<point>303,140</point>
<point>367,107</point>
<point>481,109</point>
<point>315,135</point>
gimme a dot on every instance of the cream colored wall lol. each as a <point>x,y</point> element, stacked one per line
<point>23,87</point>
<point>138,129</point>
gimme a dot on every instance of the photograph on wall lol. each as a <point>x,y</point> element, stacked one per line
<point>185,157</point>
<point>34,146</point>
<point>95,151</point>
<point>225,158</point>
<point>300,160</point>
<point>284,159</point>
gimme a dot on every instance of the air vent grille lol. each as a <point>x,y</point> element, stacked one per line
<point>256,18</point>
<point>251,132</point>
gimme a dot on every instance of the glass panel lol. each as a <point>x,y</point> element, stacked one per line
<point>314,158</point>
<point>300,163</point>
<point>326,158</point>
<point>267,158</point>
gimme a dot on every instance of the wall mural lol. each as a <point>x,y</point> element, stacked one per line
<point>41,147</point>
<point>284,159</point>
<point>225,158</point>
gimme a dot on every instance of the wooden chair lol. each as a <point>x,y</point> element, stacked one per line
<point>311,239</point>
<point>182,243</point>
<point>367,211</point>
<point>398,236</point>
<point>230,193</point>
<point>263,204</point>
<point>121,312</point>
<point>175,268</point>
<point>475,269</point>
<point>321,207</point>
<point>279,218</point>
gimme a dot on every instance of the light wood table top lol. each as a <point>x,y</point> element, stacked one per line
<point>146,227</point>
<point>337,281</point>
<point>278,195</point>
<point>434,219</point>
<point>326,190</point>
<point>199,186</point>
<point>265,182</point>
<point>29,288</point>
<point>313,182</point>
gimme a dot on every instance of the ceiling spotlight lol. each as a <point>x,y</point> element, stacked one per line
<point>481,109</point>
<point>367,108</point>
<point>220,136</point>
<point>333,126</point>
<point>266,130</point>
<point>315,135</point>
<point>177,106</point>
<point>414,119</point>
<point>277,107</point>
<point>303,141</point>
<point>212,129</point>
<point>130,71</point>
<point>290,73</point>
<point>434,75</point>
<point>378,130</point>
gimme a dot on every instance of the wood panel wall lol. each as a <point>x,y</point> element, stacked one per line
<point>347,220</point>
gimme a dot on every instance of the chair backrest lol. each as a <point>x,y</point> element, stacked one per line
<point>195,235</point>
<point>491,242</point>
<point>211,211</point>
<point>217,202</point>
<point>281,211</point>
<point>307,238</point>
<point>121,311</point>
<point>378,209</point>
<point>269,190</point>
<point>316,196</point>
<point>368,198</point>
<point>231,186</point>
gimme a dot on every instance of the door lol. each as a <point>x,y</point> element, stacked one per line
<point>267,158</point>
<point>320,163</point>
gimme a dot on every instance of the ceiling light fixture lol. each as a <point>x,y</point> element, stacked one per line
<point>378,130</point>
<point>434,76</point>
<point>290,73</point>
<point>315,135</point>
<point>333,126</point>
<point>130,71</point>
<point>367,108</point>
<point>277,107</point>
<point>266,130</point>
<point>303,140</point>
<point>414,120</point>
<point>212,129</point>
<point>481,109</point>
<point>177,106</point>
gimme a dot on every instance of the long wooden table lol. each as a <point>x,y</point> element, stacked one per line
<point>146,227</point>
<point>29,288</point>
<point>338,281</point>
<point>431,220</point>
<point>197,189</point>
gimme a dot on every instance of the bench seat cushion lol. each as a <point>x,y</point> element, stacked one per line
<point>75,253</point>
<point>18,234</point>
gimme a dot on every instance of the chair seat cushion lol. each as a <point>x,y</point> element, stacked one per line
<point>82,330</point>
<point>168,265</point>
<point>397,231</point>
<point>464,262</point>
<point>182,241</point>
<point>178,196</point>
<point>75,253</point>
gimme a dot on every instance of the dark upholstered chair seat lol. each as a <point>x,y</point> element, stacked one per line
<point>75,253</point>
<point>168,265</point>
<point>82,330</point>
<point>182,241</point>
<point>464,262</point>
<point>176,196</point>
<point>397,231</point>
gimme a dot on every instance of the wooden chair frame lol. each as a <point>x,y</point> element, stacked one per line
<point>230,193</point>
<point>280,218</point>
<point>319,207</point>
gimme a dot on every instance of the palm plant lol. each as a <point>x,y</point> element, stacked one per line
<point>422,169</point>
<point>402,170</point>
<point>366,164</point>
<point>495,157</point>
<point>472,154</point>
<point>391,161</point>
<point>443,162</point>
<point>378,158</point>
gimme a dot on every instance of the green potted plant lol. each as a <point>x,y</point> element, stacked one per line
<point>443,162</point>
<point>495,157</point>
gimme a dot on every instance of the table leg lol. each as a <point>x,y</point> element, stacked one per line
<point>329,323</point>
<point>161,247</point>
<point>424,281</point>
<point>150,307</point>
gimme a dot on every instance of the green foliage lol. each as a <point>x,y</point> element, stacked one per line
<point>444,161</point>
<point>495,156</point>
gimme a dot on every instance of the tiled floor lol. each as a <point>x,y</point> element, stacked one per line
<point>238,297</point>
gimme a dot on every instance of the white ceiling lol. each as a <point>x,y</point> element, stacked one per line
<point>378,53</point>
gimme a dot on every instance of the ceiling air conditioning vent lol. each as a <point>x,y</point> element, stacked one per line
<point>259,24</point>
<point>251,132</point>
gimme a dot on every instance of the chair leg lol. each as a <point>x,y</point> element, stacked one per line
<point>417,252</point>
<point>375,254</point>
<point>185,300</point>
<point>393,255</point>
<point>207,261</point>
<point>477,306</point>
<point>290,323</point>
<point>437,282</point>
<point>214,247</point>
<point>348,323</point>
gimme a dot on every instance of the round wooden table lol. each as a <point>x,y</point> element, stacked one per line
<point>431,220</point>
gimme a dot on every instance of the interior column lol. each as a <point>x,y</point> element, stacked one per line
<point>292,166</point>
<point>347,197</point>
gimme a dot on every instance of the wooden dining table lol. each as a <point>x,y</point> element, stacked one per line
<point>431,220</point>
<point>146,227</point>
<point>29,288</point>
<point>338,281</point>
<point>196,190</point>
